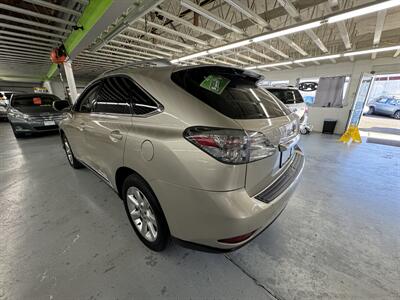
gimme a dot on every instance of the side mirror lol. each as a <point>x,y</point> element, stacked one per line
<point>61,105</point>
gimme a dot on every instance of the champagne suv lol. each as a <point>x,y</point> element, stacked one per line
<point>200,154</point>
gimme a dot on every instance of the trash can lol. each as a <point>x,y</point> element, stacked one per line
<point>329,126</point>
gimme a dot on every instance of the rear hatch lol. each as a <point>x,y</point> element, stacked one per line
<point>35,105</point>
<point>266,120</point>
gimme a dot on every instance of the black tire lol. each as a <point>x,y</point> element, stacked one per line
<point>71,158</point>
<point>17,135</point>
<point>163,234</point>
<point>371,110</point>
<point>396,115</point>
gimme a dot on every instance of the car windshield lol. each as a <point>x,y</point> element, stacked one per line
<point>289,96</point>
<point>34,103</point>
<point>232,92</point>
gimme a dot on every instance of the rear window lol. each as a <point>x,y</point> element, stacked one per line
<point>34,103</point>
<point>288,96</point>
<point>232,92</point>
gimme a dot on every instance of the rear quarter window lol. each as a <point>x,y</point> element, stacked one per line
<point>232,92</point>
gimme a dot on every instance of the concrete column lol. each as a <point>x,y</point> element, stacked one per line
<point>47,85</point>
<point>71,80</point>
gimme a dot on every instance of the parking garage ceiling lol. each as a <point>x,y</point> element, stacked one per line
<point>172,29</point>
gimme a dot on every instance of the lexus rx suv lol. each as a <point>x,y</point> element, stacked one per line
<point>200,154</point>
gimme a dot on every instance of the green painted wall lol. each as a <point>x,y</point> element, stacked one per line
<point>90,16</point>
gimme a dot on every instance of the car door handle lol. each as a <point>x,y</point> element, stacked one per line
<point>116,135</point>
<point>82,126</point>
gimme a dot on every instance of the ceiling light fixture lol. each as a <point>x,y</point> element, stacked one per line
<point>324,57</point>
<point>294,29</point>
<point>363,11</point>
<point>374,50</point>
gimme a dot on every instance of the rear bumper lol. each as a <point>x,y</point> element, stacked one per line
<point>200,217</point>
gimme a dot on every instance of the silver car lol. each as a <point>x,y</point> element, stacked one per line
<point>201,154</point>
<point>389,106</point>
<point>33,113</point>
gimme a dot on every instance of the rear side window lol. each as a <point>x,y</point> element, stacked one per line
<point>288,96</point>
<point>114,96</point>
<point>232,92</point>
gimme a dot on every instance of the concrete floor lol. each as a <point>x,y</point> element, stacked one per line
<point>64,234</point>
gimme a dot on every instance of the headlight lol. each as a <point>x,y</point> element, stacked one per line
<point>17,114</point>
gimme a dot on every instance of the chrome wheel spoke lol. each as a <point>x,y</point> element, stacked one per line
<point>133,200</point>
<point>135,214</point>
<point>152,230</point>
<point>143,228</point>
<point>151,218</point>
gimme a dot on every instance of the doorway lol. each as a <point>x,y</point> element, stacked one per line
<point>379,121</point>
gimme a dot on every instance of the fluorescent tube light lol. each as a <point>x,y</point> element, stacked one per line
<point>284,32</point>
<point>375,50</point>
<point>188,57</point>
<point>317,58</point>
<point>364,11</point>
<point>284,63</point>
<point>229,46</point>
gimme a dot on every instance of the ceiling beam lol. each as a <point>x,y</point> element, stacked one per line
<point>295,14</point>
<point>35,14</point>
<point>333,5</point>
<point>146,42</point>
<point>54,6</point>
<point>173,32</point>
<point>205,13</point>
<point>380,21</point>
<point>111,44</point>
<point>33,23</point>
<point>27,36</point>
<point>188,24</point>
<point>24,41</point>
<point>19,28</point>
<point>262,24</point>
<point>161,38</point>
<point>26,45</point>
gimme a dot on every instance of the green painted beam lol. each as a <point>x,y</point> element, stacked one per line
<point>90,16</point>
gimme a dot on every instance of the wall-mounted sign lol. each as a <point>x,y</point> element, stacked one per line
<point>308,86</point>
<point>40,89</point>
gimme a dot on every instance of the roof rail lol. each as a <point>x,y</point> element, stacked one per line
<point>142,64</point>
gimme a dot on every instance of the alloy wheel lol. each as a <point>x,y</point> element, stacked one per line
<point>68,151</point>
<point>142,214</point>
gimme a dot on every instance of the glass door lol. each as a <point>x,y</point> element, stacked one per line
<point>363,90</point>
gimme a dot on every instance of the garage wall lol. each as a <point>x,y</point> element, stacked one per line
<point>353,69</point>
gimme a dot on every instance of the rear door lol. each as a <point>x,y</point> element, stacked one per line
<point>110,121</point>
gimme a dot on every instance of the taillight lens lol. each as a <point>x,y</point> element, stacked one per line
<point>231,146</point>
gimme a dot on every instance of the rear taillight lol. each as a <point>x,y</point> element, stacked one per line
<point>231,146</point>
